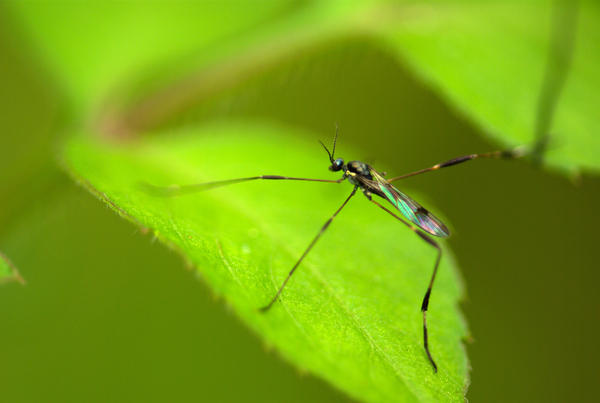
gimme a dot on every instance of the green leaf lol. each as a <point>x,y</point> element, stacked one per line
<point>351,313</point>
<point>93,46</point>
<point>488,59</point>
<point>491,60</point>
<point>140,39</point>
<point>8,271</point>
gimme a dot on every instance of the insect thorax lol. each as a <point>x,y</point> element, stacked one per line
<point>358,168</point>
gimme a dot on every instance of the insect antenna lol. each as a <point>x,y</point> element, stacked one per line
<point>328,153</point>
<point>332,153</point>
<point>337,129</point>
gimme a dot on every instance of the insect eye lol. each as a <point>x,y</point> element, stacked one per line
<point>336,165</point>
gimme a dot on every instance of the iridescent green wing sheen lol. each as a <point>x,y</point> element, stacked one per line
<point>409,208</point>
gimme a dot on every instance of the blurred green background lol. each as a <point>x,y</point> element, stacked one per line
<point>89,327</point>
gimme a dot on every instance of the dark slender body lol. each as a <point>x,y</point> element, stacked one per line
<point>362,176</point>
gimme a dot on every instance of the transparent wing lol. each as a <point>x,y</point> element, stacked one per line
<point>409,208</point>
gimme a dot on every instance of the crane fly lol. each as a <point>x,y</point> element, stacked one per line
<point>372,183</point>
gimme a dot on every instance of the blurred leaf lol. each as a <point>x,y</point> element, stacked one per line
<point>8,272</point>
<point>492,61</point>
<point>96,47</point>
<point>489,59</point>
<point>93,46</point>
<point>351,312</point>
<point>27,157</point>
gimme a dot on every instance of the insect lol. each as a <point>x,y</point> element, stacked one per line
<point>372,183</point>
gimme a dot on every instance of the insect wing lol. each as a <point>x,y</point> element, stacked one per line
<point>410,209</point>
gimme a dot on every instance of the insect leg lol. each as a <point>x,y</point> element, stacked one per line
<point>507,154</point>
<point>425,303</point>
<point>314,241</point>
<point>177,190</point>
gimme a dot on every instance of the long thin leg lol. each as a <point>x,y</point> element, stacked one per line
<point>176,190</point>
<point>314,241</point>
<point>425,303</point>
<point>508,154</point>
